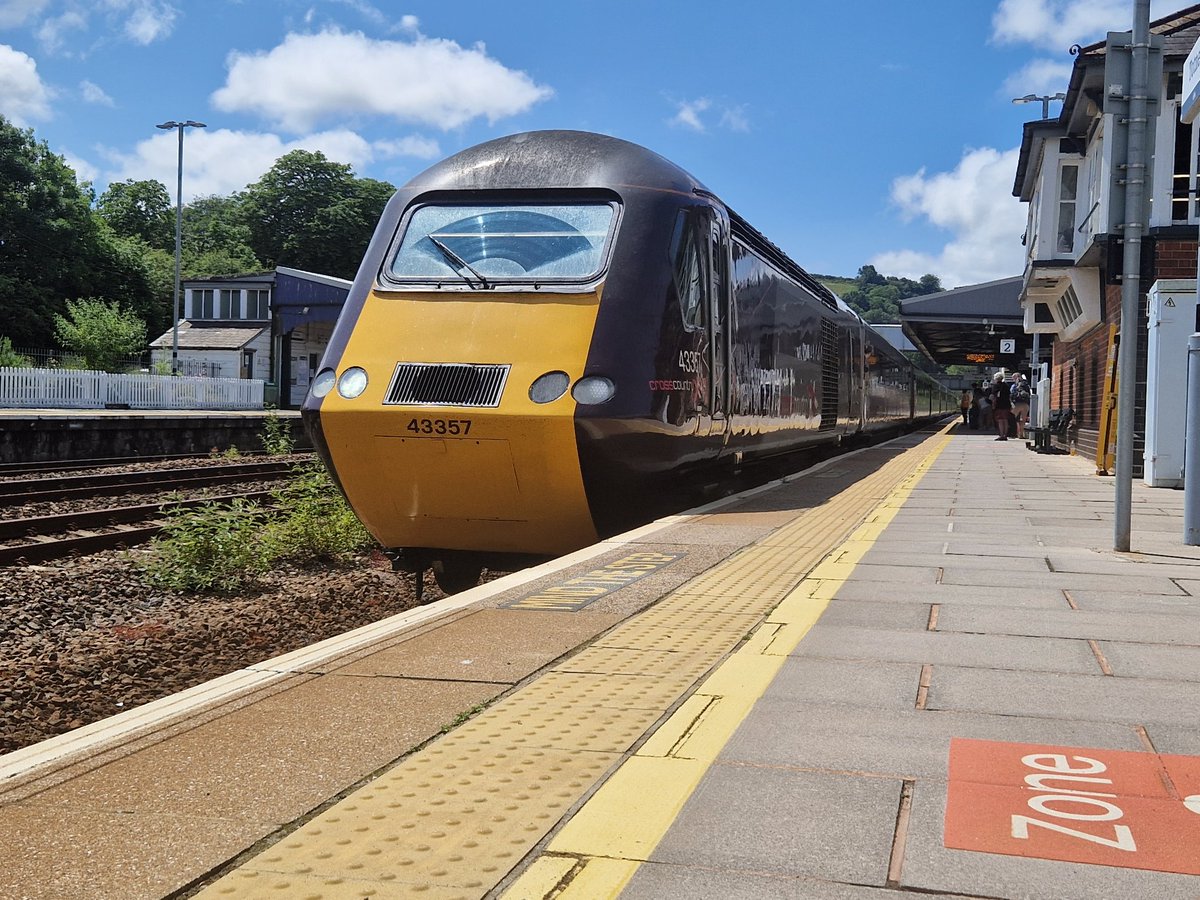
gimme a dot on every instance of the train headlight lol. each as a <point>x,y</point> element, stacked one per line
<point>352,383</point>
<point>593,389</point>
<point>549,387</point>
<point>323,383</point>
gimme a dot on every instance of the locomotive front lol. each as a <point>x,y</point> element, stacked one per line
<point>446,403</point>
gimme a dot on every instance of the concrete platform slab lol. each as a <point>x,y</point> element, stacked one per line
<point>1153,660</point>
<point>942,594</point>
<point>833,827</point>
<point>660,881</point>
<point>494,645</point>
<point>903,743</point>
<point>1133,701</point>
<point>1081,624</point>
<point>887,685</point>
<point>944,647</point>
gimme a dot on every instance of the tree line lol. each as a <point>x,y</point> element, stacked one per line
<point>877,297</point>
<point>63,249</point>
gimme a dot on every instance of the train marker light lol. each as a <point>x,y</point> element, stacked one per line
<point>593,389</point>
<point>549,387</point>
<point>352,383</point>
<point>323,383</point>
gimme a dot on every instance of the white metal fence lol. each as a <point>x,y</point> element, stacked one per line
<point>72,389</point>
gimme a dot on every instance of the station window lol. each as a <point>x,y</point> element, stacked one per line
<point>202,304</point>
<point>228,306</point>
<point>257,304</point>
<point>1068,188</point>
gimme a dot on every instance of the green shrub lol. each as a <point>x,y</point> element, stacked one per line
<point>224,547</point>
<point>277,435</point>
<point>211,547</point>
<point>313,519</point>
<point>10,358</point>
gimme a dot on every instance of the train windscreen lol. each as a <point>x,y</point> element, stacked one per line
<point>504,243</point>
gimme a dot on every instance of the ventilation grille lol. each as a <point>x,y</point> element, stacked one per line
<point>1069,307</point>
<point>830,334</point>
<point>447,384</point>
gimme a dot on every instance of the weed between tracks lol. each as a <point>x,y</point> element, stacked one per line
<point>222,548</point>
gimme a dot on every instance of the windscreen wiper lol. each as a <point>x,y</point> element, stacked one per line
<point>458,261</point>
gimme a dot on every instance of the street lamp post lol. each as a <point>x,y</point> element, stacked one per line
<point>179,126</point>
<point>1045,98</point>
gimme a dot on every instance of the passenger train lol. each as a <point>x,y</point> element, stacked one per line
<point>551,330</point>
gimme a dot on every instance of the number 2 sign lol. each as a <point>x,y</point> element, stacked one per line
<point>1105,807</point>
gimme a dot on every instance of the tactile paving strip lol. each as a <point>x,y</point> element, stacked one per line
<point>454,819</point>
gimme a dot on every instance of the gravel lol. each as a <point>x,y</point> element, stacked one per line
<point>86,638</point>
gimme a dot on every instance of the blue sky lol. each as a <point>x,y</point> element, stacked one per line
<point>864,131</point>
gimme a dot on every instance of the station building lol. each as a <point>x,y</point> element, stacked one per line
<point>274,326</point>
<point>1071,286</point>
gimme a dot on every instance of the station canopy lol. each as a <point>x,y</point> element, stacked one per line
<point>979,324</point>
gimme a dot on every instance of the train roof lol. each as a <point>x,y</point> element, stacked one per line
<point>555,159</point>
<point>583,159</point>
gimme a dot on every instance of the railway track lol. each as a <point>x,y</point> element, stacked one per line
<point>15,469</point>
<point>72,487</point>
<point>48,518</point>
<point>44,538</point>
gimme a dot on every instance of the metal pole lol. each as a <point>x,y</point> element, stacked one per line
<point>178,254</point>
<point>1191,448</point>
<point>1135,178</point>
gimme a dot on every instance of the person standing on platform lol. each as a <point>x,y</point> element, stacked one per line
<point>1001,406</point>
<point>985,406</point>
<point>964,403</point>
<point>1020,402</point>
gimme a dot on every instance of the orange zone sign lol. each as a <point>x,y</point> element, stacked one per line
<point>1104,807</point>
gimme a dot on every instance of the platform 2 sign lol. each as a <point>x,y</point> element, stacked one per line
<point>1103,807</point>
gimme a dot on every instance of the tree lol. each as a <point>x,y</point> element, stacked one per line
<point>102,333</point>
<point>311,213</point>
<point>53,245</point>
<point>140,209</point>
<point>877,298</point>
<point>10,357</point>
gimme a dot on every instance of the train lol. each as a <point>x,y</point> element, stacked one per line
<point>551,331</point>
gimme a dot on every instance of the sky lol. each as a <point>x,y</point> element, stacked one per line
<point>854,132</point>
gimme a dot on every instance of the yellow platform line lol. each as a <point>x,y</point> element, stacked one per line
<point>454,819</point>
<point>600,849</point>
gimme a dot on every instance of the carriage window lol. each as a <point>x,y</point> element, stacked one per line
<point>688,260</point>
<point>504,242</point>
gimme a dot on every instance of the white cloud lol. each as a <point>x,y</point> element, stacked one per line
<point>145,21</point>
<point>93,93</point>
<point>420,147</point>
<point>84,170</point>
<point>688,113</point>
<point>1041,76</point>
<point>18,12</point>
<point>221,161</point>
<point>23,96</point>
<point>52,33</point>
<point>332,74</point>
<point>735,119</point>
<point>1057,24</point>
<point>974,203</point>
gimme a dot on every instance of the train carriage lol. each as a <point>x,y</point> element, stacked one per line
<point>550,330</point>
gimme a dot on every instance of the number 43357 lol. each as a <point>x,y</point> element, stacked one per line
<point>439,426</point>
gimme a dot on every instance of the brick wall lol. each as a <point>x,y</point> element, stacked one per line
<point>1079,366</point>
